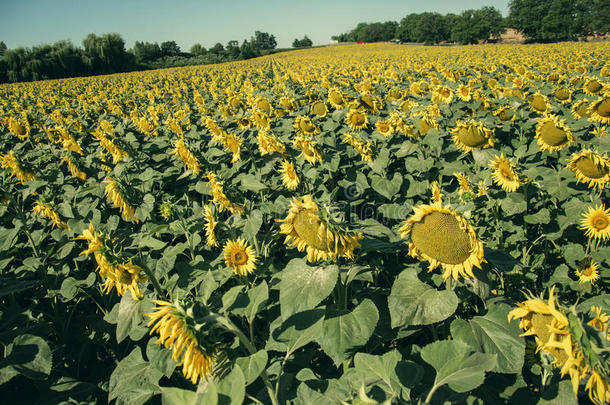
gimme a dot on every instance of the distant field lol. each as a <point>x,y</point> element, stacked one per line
<point>347,224</point>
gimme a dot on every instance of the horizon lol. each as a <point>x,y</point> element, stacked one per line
<point>32,23</point>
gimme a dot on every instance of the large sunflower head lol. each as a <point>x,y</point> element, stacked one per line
<point>504,173</point>
<point>596,223</point>
<point>384,127</point>
<point>290,179</point>
<point>600,110</point>
<point>444,238</point>
<point>552,134</point>
<point>19,127</point>
<point>592,86</point>
<point>580,109</point>
<point>563,94</point>
<point>356,119</point>
<point>590,168</point>
<point>308,149</point>
<point>304,125</point>
<point>240,257</point>
<point>468,136</point>
<point>309,228</point>
<point>505,113</point>
<point>370,103</point>
<point>319,109</point>
<point>336,99</point>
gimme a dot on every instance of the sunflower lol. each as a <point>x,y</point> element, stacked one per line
<point>590,167</point>
<point>319,109</point>
<point>504,174</point>
<point>443,237</point>
<point>437,194</point>
<point>463,182</point>
<point>288,104</point>
<point>232,143</point>
<point>261,120</point>
<point>46,211</point>
<point>505,113</point>
<point>596,223</point>
<point>307,228</point>
<point>308,149</point>
<point>370,104</point>
<point>384,128</point>
<point>468,136</point>
<point>262,104</point>
<point>580,109</point>
<point>356,119</point>
<point>175,332</point>
<point>442,94</point>
<point>240,257</point>
<point>268,144</point>
<point>186,156</point>
<point>166,210</point>
<point>587,271</point>
<point>219,196</point>
<point>599,390</point>
<point>463,93</point>
<point>9,161</point>
<point>600,320</point>
<point>551,330</point>
<point>363,148</point>
<point>244,123</point>
<point>126,278</point>
<point>563,95</point>
<point>289,175</point>
<point>210,224</point>
<point>336,99</point>
<point>19,127</point>
<point>116,193</point>
<point>304,125</point>
<point>424,124</point>
<point>600,110</point>
<point>592,86</point>
<point>552,134</point>
<point>539,102</point>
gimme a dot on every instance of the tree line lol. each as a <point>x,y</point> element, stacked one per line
<point>105,54</point>
<point>537,20</point>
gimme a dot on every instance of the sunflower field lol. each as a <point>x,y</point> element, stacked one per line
<point>361,224</point>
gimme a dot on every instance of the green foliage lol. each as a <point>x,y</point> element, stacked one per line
<point>302,43</point>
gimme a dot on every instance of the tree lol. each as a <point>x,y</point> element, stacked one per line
<point>232,50</point>
<point>170,48</point>
<point>302,43</point>
<point>431,28</point>
<point>106,54</point>
<point>264,40</point>
<point>249,49</point>
<point>473,26</point>
<point>146,51</point>
<point>3,48</point>
<point>198,50</point>
<point>406,29</point>
<point>217,49</point>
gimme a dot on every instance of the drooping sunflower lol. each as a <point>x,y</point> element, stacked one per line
<point>175,332</point>
<point>126,277</point>
<point>592,86</point>
<point>319,109</point>
<point>262,104</point>
<point>186,156</point>
<point>587,271</point>
<point>590,167</point>
<point>116,194</point>
<point>210,225</point>
<point>363,148</point>
<point>46,211</point>
<point>539,102</point>
<point>468,136</point>
<point>424,124</point>
<point>244,123</point>
<point>504,174</point>
<point>336,99</point>
<point>9,161</point>
<point>463,182</point>
<point>268,143</point>
<point>308,228</point>
<point>356,119</point>
<point>370,103</point>
<point>219,196</point>
<point>442,94</point>
<point>563,95</point>
<point>290,179</point>
<point>505,114</point>
<point>19,127</point>
<point>552,134</point>
<point>444,238</point>
<point>551,330</point>
<point>308,149</point>
<point>384,128</point>
<point>463,93</point>
<point>596,223</point>
<point>304,125</point>
<point>580,109</point>
<point>437,194</point>
<point>240,257</point>
<point>600,110</point>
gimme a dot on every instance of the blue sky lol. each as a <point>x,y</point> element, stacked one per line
<point>32,22</point>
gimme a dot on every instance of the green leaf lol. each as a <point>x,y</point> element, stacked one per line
<point>152,243</point>
<point>385,187</point>
<point>258,297</point>
<point>541,217</point>
<point>563,395</point>
<point>412,302</point>
<point>28,355</point>
<point>492,334</point>
<point>252,365</point>
<point>342,333</point>
<point>232,388</point>
<point>384,371</point>
<point>178,396</point>
<point>134,381</point>
<point>250,182</point>
<point>297,331</point>
<point>303,287</point>
<point>130,318</point>
<point>253,224</point>
<point>457,365</point>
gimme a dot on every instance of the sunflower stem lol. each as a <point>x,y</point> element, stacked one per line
<point>230,327</point>
<point>153,279</point>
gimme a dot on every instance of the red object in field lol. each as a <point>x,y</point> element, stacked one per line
<point>360,43</point>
